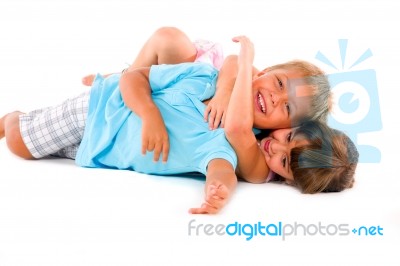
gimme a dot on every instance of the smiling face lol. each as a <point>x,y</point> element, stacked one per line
<point>281,99</point>
<point>276,149</point>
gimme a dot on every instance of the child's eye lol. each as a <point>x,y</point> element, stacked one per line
<point>280,84</point>
<point>289,136</point>
<point>287,108</point>
<point>284,161</point>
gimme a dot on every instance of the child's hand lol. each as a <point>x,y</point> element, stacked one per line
<point>217,195</point>
<point>155,136</point>
<point>88,80</point>
<point>216,109</point>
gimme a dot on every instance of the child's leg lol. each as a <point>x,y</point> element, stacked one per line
<point>46,131</point>
<point>167,45</point>
<point>9,128</point>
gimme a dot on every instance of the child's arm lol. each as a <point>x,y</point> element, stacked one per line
<point>240,118</point>
<point>220,183</point>
<point>136,93</point>
<point>215,112</point>
<point>216,108</point>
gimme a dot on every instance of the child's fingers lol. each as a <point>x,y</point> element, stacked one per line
<point>235,39</point>
<point>211,118</point>
<point>157,152</point>
<point>151,146</point>
<point>165,151</point>
<point>239,38</point>
<point>204,209</point>
<point>144,146</point>
<point>210,208</point>
<point>222,120</point>
<point>220,191</point>
<point>214,197</point>
<point>216,120</point>
<point>197,211</point>
<point>207,112</point>
<point>161,148</point>
<point>157,148</point>
<point>147,146</point>
<point>215,201</point>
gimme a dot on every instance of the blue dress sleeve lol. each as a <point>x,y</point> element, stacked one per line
<point>192,78</point>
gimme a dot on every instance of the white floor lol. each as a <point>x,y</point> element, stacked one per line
<point>55,213</point>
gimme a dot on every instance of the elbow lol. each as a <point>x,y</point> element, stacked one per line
<point>237,129</point>
<point>239,138</point>
<point>232,130</point>
<point>126,80</point>
<point>135,78</point>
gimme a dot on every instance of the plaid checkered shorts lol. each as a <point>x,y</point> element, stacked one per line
<point>56,130</point>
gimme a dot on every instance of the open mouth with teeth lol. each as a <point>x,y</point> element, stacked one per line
<point>261,103</point>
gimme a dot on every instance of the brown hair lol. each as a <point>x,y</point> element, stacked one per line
<point>314,76</point>
<point>327,164</point>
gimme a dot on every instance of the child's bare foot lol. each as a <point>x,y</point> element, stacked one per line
<point>2,122</point>
<point>88,80</point>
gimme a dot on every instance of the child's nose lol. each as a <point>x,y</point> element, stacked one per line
<point>278,98</point>
<point>278,147</point>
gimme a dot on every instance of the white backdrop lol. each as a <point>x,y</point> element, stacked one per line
<point>54,213</point>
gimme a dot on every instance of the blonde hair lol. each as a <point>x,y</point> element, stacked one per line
<point>315,77</point>
<point>327,164</point>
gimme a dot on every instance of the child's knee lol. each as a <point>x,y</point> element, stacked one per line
<point>14,139</point>
<point>170,38</point>
<point>173,46</point>
<point>167,33</point>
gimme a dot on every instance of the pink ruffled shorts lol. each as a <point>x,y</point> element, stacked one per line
<point>209,52</point>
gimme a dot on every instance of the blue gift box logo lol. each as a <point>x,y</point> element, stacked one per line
<point>356,102</point>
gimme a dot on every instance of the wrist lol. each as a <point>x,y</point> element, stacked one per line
<point>246,66</point>
<point>223,91</point>
<point>149,111</point>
